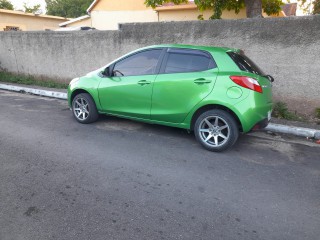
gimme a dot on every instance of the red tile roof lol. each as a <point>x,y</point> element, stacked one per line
<point>290,9</point>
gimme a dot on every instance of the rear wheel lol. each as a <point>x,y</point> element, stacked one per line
<point>84,108</point>
<point>216,130</point>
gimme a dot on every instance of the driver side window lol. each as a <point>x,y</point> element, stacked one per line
<point>142,63</point>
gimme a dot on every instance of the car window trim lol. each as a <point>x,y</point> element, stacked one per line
<point>185,51</point>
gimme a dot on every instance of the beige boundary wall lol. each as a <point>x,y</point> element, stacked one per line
<point>110,20</point>
<point>287,48</point>
<point>108,14</point>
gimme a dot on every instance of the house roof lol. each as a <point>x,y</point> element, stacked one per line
<point>290,9</point>
<point>92,5</point>
<point>74,20</point>
<point>31,14</point>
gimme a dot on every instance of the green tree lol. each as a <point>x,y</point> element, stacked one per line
<point>316,7</point>
<point>304,5</point>
<point>307,6</point>
<point>67,8</point>
<point>33,9</point>
<point>253,7</point>
<point>5,4</point>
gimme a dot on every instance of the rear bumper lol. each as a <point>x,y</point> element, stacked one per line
<point>260,125</point>
<point>254,115</point>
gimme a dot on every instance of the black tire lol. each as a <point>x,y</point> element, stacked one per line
<point>216,130</point>
<point>84,108</point>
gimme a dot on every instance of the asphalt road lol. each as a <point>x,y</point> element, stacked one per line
<point>118,179</point>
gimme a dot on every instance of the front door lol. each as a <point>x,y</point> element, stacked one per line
<point>128,91</point>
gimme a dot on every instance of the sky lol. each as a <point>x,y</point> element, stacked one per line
<point>18,4</point>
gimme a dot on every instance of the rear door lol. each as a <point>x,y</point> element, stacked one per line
<point>186,77</point>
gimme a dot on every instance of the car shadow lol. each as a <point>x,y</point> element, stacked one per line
<point>121,124</point>
<point>111,123</point>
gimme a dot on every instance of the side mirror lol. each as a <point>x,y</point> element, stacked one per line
<point>106,72</point>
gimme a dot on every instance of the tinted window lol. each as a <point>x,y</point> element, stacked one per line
<point>245,64</point>
<point>188,61</point>
<point>143,63</point>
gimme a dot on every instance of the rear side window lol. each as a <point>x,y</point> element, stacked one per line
<point>245,63</point>
<point>183,61</point>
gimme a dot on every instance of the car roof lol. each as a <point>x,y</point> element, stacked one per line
<point>205,48</point>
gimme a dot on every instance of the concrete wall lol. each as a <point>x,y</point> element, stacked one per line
<point>287,48</point>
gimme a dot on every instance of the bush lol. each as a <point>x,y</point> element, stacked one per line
<point>318,113</point>
<point>280,110</point>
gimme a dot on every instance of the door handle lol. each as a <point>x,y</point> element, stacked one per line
<point>202,81</point>
<point>144,82</point>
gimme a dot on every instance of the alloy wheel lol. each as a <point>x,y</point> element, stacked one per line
<point>81,109</point>
<point>214,131</point>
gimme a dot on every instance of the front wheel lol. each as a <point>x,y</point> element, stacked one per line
<point>84,108</point>
<point>216,130</point>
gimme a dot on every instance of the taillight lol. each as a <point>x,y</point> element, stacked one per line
<point>247,82</point>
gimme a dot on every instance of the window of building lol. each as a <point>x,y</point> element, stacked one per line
<point>11,28</point>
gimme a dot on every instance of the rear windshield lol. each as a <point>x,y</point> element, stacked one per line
<point>245,64</point>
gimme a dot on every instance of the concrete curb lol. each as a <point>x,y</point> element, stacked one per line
<point>40,92</point>
<point>278,128</point>
<point>297,131</point>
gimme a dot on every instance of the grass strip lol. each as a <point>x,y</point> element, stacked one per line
<point>7,77</point>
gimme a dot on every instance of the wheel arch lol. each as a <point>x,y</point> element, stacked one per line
<point>214,106</point>
<point>90,105</point>
<point>93,95</point>
<point>76,92</point>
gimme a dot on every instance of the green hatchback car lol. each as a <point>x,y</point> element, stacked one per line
<point>215,92</point>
